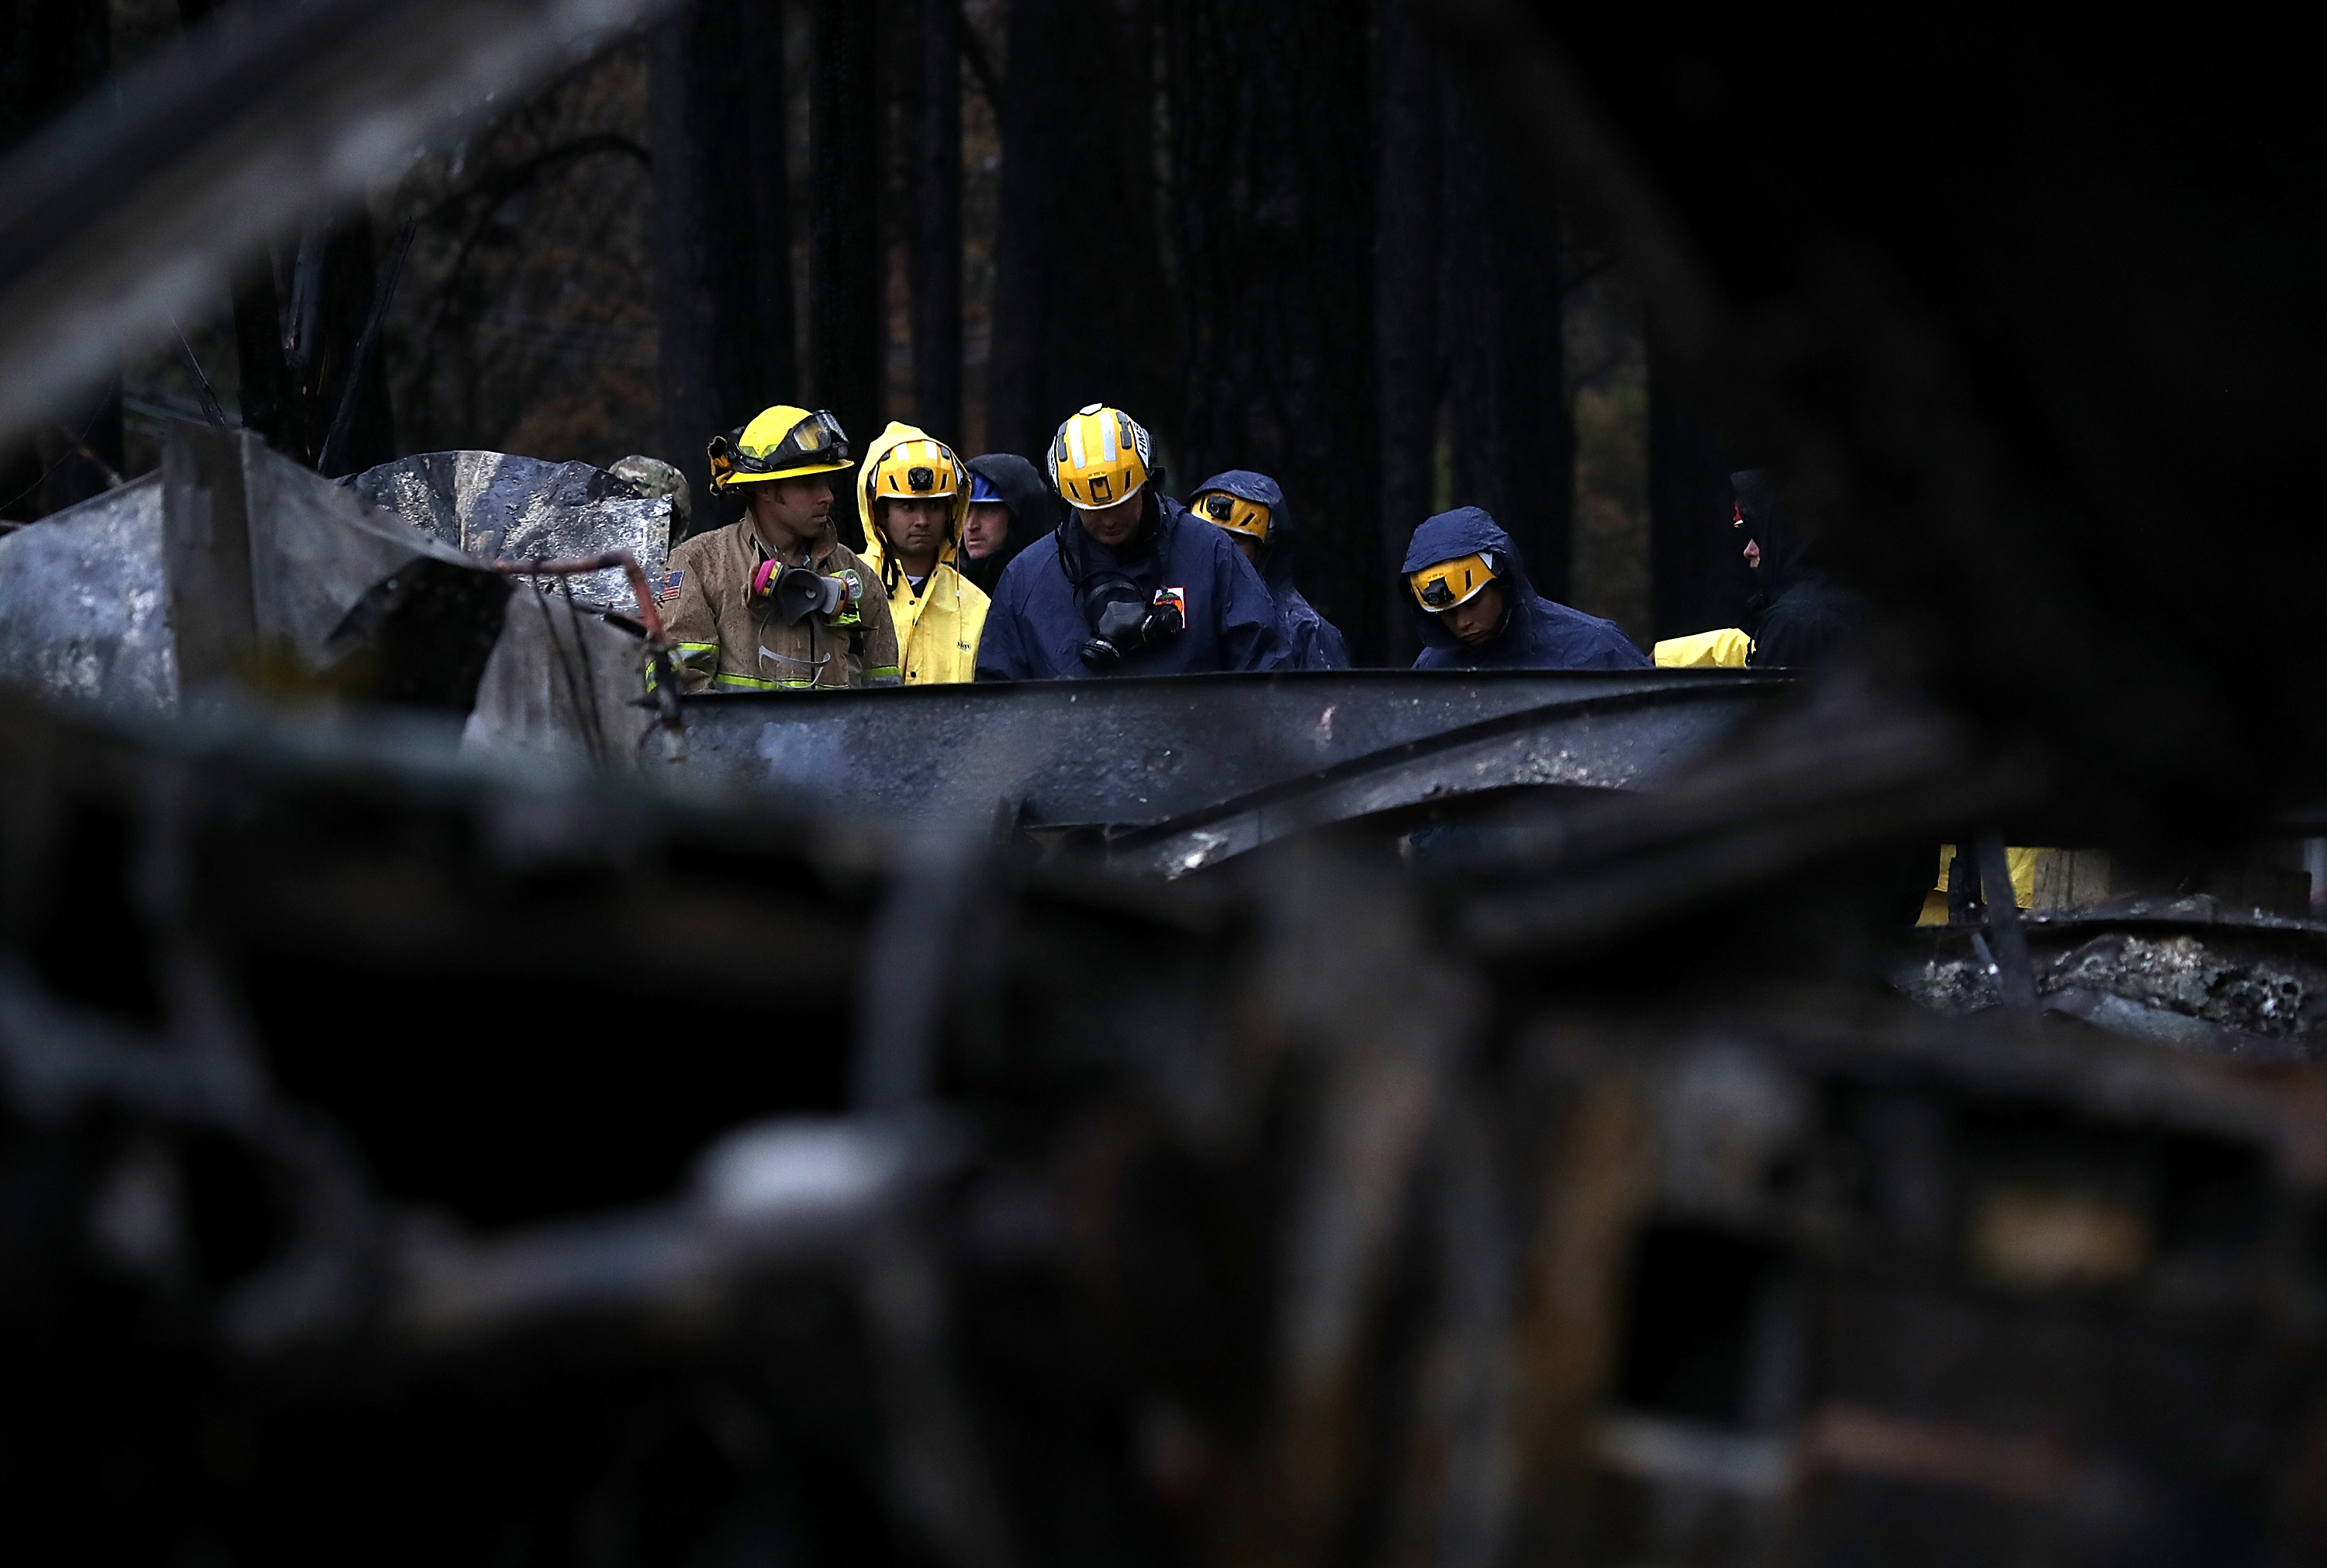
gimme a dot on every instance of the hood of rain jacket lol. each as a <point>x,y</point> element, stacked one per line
<point>1036,628</point>
<point>937,627</point>
<point>1315,642</point>
<point>1802,612</point>
<point>1034,510</point>
<point>1538,633</point>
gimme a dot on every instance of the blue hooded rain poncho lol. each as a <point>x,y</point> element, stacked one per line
<point>1036,628</point>
<point>1315,642</point>
<point>1536,634</point>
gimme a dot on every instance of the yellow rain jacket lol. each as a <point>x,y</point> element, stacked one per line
<point>1726,648</point>
<point>938,626</point>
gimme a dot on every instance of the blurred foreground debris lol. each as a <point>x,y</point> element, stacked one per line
<point>350,1174</point>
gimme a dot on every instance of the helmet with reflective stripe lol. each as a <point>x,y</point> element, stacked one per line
<point>782,442</point>
<point>1234,513</point>
<point>921,468</point>
<point>1099,458</point>
<point>1447,583</point>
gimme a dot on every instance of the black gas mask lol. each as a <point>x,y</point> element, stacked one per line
<point>1124,618</point>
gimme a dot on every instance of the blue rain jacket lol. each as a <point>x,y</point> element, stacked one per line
<point>1536,634</point>
<point>1314,641</point>
<point>1035,629</point>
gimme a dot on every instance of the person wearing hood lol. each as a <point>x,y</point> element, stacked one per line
<point>1129,583</point>
<point>1251,510</point>
<point>1804,612</point>
<point>775,601</point>
<point>912,498</point>
<point>1479,612</point>
<point>1010,504</point>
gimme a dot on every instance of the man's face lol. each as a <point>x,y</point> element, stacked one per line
<point>1474,620</point>
<point>1249,546</point>
<point>916,526</point>
<point>1114,525</point>
<point>988,525</point>
<point>789,512</point>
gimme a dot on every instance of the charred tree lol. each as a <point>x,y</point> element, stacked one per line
<point>1699,583</point>
<point>846,336</point>
<point>936,236</point>
<point>53,53</point>
<point>1082,310</point>
<point>1271,208</point>
<point>335,281</point>
<point>1513,436</point>
<point>1409,382</point>
<point>722,279</point>
<point>258,317</point>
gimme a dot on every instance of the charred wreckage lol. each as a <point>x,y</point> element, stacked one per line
<point>460,1102</point>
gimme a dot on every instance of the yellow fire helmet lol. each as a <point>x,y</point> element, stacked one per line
<point>1099,458</point>
<point>1234,513</point>
<point>1451,582</point>
<point>917,470</point>
<point>782,442</point>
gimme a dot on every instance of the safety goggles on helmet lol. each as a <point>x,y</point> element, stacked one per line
<point>1451,582</point>
<point>983,489</point>
<point>813,445</point>
<point>1234,513</point>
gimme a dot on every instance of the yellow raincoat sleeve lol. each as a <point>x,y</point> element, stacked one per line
<point>1727,649</point>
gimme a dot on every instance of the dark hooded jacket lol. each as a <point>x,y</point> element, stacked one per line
<point>1315,642</point>
<point>1538,633</point>
<point>1034,511</point>
<point>1036,628</point>
<point>1804,613</point>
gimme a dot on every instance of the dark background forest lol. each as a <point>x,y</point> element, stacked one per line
<point>1276,233</point>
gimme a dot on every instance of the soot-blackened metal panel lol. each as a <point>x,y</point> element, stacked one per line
<point>1148,750</point>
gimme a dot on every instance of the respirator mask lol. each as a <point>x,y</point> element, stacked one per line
<point>1124,618</point>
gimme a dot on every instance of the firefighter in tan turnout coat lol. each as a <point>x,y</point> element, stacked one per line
<point>776,601</point>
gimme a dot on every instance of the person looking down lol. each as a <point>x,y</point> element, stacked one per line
<point>1249,507</point>
<point>1478,610</point>
<point>912,500</point>
<point>1805,613</point>
<point>1129,583</point>
<point>775,601</point>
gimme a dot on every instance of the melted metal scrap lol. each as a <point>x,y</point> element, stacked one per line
<point>88,605</point>
<point>2184,972</point>
<point>494,506</point>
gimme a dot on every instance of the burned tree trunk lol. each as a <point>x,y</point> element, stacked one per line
<point>1513,439</point>
<point>1271,216</point>
<point>846,341</point>
<point>1017,410</point>
<point>334,283</point>
<point>723,281</point>
<point>1082,309</point>
<point>258,318</point>
<point>54,52</point>
<point>1409,380</point>
<point>1698,582</point>
<point>936,231</point>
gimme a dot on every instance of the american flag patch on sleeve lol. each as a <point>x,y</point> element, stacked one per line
<point>669,590</point>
